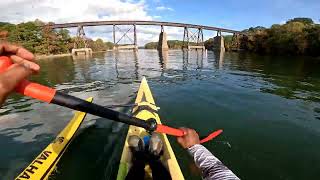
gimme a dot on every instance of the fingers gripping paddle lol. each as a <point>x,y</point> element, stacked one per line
<point>52,96</point>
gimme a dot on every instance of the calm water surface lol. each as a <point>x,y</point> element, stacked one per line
<point>269,108</point>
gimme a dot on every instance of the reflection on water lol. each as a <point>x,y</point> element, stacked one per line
<point>268,107</point>
<point>129,57</point>
<point>163,59</point>
<point>219,56</point>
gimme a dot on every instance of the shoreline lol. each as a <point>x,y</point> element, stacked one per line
<point>38,57</point>
<point>43,56</point>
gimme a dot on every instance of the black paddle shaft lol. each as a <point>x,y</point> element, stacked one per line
<point>78,104</point>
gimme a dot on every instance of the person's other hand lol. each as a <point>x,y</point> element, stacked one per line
<point>190,138</point>
<point>23,67</point>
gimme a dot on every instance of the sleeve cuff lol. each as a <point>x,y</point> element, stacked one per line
<point>194,148</point>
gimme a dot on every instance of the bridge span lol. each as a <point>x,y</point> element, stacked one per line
<point>144,23</point>
<point>192,36</point>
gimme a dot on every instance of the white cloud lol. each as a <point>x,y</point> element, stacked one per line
<point>162,8</point>
<point>16,11</point>
<point>62,11</point>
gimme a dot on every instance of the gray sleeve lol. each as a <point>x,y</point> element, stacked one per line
<point>211,167</point>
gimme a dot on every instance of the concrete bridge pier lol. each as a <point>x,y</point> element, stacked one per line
<point>82,51</point>
<point>218,42</point>
<point>162,43</point>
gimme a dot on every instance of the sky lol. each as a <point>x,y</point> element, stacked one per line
<point>232,14</point>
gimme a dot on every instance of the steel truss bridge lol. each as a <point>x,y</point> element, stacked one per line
<point>191,40</point>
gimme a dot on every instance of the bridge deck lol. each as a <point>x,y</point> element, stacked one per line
<point>149,23</point>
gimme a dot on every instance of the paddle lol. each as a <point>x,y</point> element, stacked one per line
<point>52,96</point>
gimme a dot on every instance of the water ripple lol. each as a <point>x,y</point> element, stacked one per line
<point>261,102</point>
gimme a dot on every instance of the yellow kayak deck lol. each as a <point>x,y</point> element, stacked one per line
<point>42,166</point>
<point>145,109</point>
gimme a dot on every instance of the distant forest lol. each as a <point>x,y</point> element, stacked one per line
<point>44,40</point>
<point>298,36</point>
<point>172,44</point>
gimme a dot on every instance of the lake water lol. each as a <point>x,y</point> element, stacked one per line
<point>269,108</point>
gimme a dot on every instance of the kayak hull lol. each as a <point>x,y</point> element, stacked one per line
<point>145,109</point>
<point>44,164</point>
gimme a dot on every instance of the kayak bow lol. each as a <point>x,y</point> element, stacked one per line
<point>146,109</point>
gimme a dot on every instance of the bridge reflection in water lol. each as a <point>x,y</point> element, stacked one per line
<point>132,65</point>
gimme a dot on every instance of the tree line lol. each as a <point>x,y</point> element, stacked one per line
<point>41,39</point>
<point>298,36</point>
<point>172,44</point>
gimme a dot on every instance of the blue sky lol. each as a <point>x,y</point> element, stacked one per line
<point>235,14</point>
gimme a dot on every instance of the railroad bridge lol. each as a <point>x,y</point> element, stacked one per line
<point>192,36</point>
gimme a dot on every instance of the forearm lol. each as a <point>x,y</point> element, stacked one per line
<point>211,167</point>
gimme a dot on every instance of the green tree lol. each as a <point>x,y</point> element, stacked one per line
<point>209,43</point>
<point>63,40</point>
<point>49,41</point>
<point>302,20</point>
<point>26,35</point>
<point>313,40</point>
<point>109,45</point>
<point>151,45</point>
<point>99,45</point>
<point>175,44</point>
<point>297,36</point>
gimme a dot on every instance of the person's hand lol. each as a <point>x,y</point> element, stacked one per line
<point>23,67</point>
<point>190,138</point>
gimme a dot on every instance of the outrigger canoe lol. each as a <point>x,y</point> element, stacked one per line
<point>43,165</point>
<point>145,109</point>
